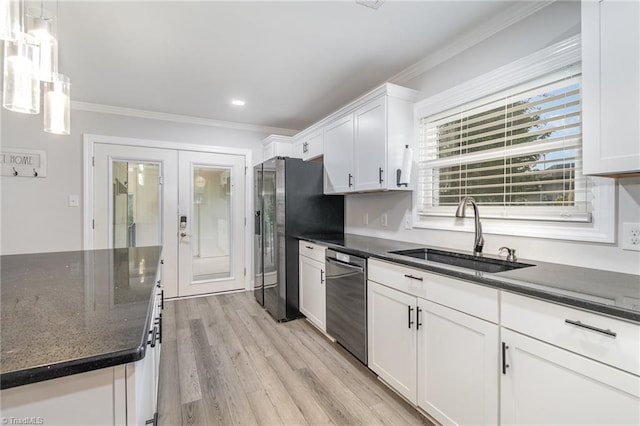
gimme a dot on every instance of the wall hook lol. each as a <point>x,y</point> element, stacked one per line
<point>35,173</point>
<point>15,172</point>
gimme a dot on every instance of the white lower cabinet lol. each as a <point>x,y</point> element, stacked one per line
<point>543,384</point>
<point>440,359</point>
<point>312,297</point>
<point>458,378</point>
<point>312,292</point>
<point>392,338</point>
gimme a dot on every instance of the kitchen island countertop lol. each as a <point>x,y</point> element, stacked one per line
<point>611,293</point>
<point>70,312</point>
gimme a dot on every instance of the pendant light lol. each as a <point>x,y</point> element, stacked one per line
<point>57,105</point>
<point>21,87</point>
<point>31,57</point>
<point>40,24</point>
<point>10,19</point>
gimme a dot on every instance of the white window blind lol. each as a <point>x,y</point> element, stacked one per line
<point>517,152</point>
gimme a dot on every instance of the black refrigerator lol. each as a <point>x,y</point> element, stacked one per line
<point>288,202</point>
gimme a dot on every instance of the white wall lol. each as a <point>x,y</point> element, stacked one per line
<point>35,216</point>
<point>550,25</point>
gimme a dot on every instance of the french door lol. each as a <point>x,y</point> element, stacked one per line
<point>135,197</point>
<point>191,203</point>
<point>211,222</point>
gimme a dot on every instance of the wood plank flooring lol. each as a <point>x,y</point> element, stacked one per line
<point>225,361</point>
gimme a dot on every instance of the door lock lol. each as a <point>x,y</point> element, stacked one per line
<point>183,226</point>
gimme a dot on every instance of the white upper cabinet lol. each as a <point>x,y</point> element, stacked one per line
<point>276,146</point>
<point>363,148</point>
<point>370,148</point>
<point>363,143</point>
<point>611,87</point>
<point>338,156</point>
<point>311,144</point>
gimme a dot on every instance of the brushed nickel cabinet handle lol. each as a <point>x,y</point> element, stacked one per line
<point>592,328</point>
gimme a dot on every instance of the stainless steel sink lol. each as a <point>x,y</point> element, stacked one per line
<point>476,263</point>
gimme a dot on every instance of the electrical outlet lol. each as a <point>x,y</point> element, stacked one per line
<point>631,236</point>
<point>383,220</point>
<point>408,221</point>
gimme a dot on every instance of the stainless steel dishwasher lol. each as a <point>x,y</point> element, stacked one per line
<point>346,287</point>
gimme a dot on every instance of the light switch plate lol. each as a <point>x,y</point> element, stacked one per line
<point>74,201</point>
<point>383,220</point>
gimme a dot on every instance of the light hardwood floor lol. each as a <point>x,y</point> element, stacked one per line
<point>226,361</point>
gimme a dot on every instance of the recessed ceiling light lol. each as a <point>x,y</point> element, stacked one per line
<point>237,102</point>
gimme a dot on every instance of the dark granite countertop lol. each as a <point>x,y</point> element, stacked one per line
<point>69,312</point>
<point>611,293</point>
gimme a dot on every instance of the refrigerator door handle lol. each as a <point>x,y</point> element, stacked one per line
<point>258,224</point>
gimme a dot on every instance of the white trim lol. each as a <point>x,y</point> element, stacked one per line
<point>89,140</point>
<point>177,118</point>
<point>542,62</point>
<point>552,58</point>
<point>602,230</point>
<point>479,33</point>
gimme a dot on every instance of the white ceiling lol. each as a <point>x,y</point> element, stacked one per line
<point>293,62</point>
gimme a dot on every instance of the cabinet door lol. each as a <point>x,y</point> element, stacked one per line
<point>392,338</point>
<point>611,86</point>
<point>312,291</point>
<point>313,145</point>
<point>544,384</point>
<point>457,366</point>
<point>338,156</point>
<point>370,122</point>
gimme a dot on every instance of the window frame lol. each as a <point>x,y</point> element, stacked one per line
<point>546,61</point>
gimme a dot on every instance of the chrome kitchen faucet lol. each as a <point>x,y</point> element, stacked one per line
<point>460,212</point>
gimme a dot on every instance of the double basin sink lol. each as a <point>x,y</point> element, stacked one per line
<point>476,263</point>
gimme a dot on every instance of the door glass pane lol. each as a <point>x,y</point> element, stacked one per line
<point>211,226</point>
<point>136,204</point>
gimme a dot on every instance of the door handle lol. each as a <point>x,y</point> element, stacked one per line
<point>321,276</point>
<point>409,311</point>
<point>504,358</point>
<point>380,172</point>
<point>418,323</point>
<point>350,178</point>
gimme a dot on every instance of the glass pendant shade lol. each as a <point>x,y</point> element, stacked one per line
<point>9,19</point>
<point>21,87</point>
<point>41,29</point>
<point>57,108</point>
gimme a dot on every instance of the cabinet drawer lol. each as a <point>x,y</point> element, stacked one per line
<point>313,251</point>
<point>609,340</point>
<point>471,298</point>
<point>403,278</point>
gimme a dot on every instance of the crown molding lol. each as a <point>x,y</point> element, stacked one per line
<point>177,118</point>
<point>479,33</point>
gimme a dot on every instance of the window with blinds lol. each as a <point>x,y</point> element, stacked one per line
<point>517,152</point>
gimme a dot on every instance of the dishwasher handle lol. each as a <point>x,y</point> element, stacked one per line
<point>343,264</point>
